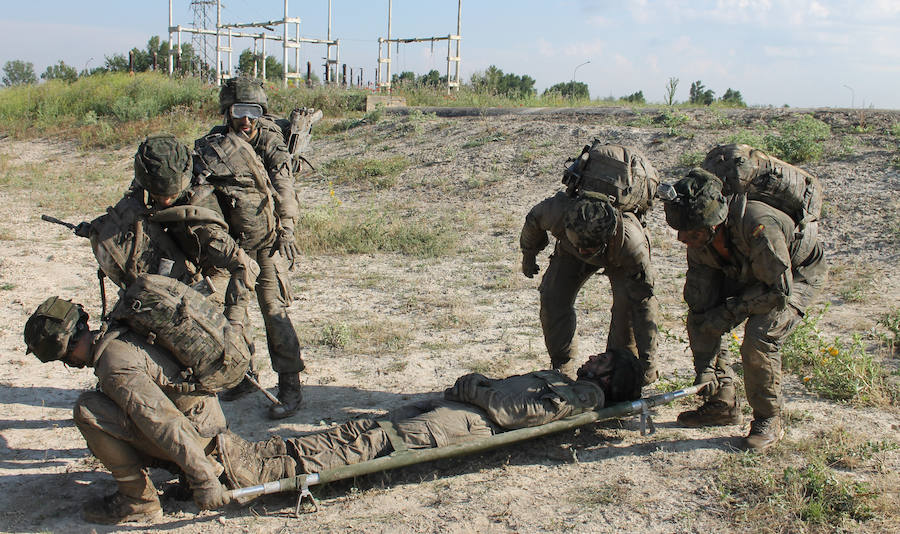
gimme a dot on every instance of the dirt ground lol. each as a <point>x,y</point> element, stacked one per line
<point>412,325</point>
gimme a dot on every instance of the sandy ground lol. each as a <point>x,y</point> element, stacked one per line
<point>415,324</point>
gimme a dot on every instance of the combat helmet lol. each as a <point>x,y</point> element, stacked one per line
<point>162,165</point>
<point>242,90</point>
<point>591,222</point>
<point>50,328</point>
<point>698,202</point>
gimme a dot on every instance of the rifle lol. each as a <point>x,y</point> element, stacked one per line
<point>82,229</point>
<point>407,457</point>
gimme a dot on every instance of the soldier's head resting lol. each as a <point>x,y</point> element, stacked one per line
<point>590,224</point>
<point>162,166</point>
<point>618,373</point>
<point>699,207</point>
<point>243,101</point>
<point>58,330</point>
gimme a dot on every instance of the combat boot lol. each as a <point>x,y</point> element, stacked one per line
<point>764,432</point>
<point>713,412</point>
<point>240,390</point>
<point>136,500</point>
<point>290,395</point>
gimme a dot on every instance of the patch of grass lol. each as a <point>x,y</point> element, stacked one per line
<point>891,321</point>
<point>483,140</point>
<point>341,230</point>
<point>836,369</point>
<point>415,121</point>
<point>746,137</point>
<point>379,173</point>
<point>894,129</point>
<point>794,499</point>
<point>690,159</point>
<point>672,120</point>
<point>51,187</point>
<point>336,335</point>
<point>6,286</point>
<point>674,382</point>
<point>395,367</point>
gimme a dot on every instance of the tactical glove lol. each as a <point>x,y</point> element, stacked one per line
<point>287,246</point>
<point>466,387</point>
<point>718,320</point>
<point>529,265</point>
<point>211,495</point>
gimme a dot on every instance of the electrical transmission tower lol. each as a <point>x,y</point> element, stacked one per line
<point>204,46</point>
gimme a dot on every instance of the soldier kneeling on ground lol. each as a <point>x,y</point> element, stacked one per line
<point>137,419</point>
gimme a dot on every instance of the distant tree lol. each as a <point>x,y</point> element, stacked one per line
<point>143,59</point>
<point>247,59</point>
<point>635,98</point>
<point>570,89</point>
<point>493,80</point>
<point>432,79</point>
<point>733,98</point>
<point>18,72</point>
<point>671,86</point>
<point>701,95</point>
<point>404,78</point>
<point>60,71</point>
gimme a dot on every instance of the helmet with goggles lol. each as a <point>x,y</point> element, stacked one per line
<point>242,90</point>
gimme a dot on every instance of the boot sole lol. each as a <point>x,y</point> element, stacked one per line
<point>135,518</point>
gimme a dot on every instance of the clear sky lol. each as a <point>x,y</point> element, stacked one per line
<point>803,53</point>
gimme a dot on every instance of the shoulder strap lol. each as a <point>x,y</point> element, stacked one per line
<point>196,214</point>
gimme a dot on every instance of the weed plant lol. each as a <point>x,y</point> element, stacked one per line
<point>836,369</point>
<point>891,321</point>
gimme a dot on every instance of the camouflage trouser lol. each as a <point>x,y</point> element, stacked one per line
<point>274,296</point>
<point>420,426</point>
<point>559,288</point>
<point>763,336</point>
<point>126,451</point>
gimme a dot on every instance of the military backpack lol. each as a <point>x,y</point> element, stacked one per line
<point>744,169</point>
<point>126,244</point>
<point>618,173</point>
<point>187,324</point>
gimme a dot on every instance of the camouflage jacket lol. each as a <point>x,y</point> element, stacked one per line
<point>135,375</point>
<point>768,256</point>
<point>527,400</point>
<point>269,145</point>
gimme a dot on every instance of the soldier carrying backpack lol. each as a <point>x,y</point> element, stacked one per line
<point>248,165</point>
<point>597,229</point>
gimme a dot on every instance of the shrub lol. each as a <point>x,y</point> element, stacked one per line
<point>380,173</point>
<point>799,141</point>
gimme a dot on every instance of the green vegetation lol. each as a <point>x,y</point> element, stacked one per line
<point>691,159</point>
<point>339,230</point>
<point>891,321</point>
<point>797,141</point>
<point>572,89</point>
<point>379,173</point>
<point>18,72</point>
<point>836,369</point>
<point>798,488</point>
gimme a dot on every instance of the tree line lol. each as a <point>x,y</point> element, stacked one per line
<point>492,81</point>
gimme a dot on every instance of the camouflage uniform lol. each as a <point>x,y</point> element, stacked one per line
<point>228,163</point>
<point>135,420</point>
<point>625,261</point>
<point>475,407</point>
<point>772,275</point>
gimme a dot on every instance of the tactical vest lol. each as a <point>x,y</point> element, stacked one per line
<point>188,325</point>
<point>230,165</point>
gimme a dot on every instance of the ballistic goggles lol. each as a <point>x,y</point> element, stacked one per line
<point>251,111</point>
